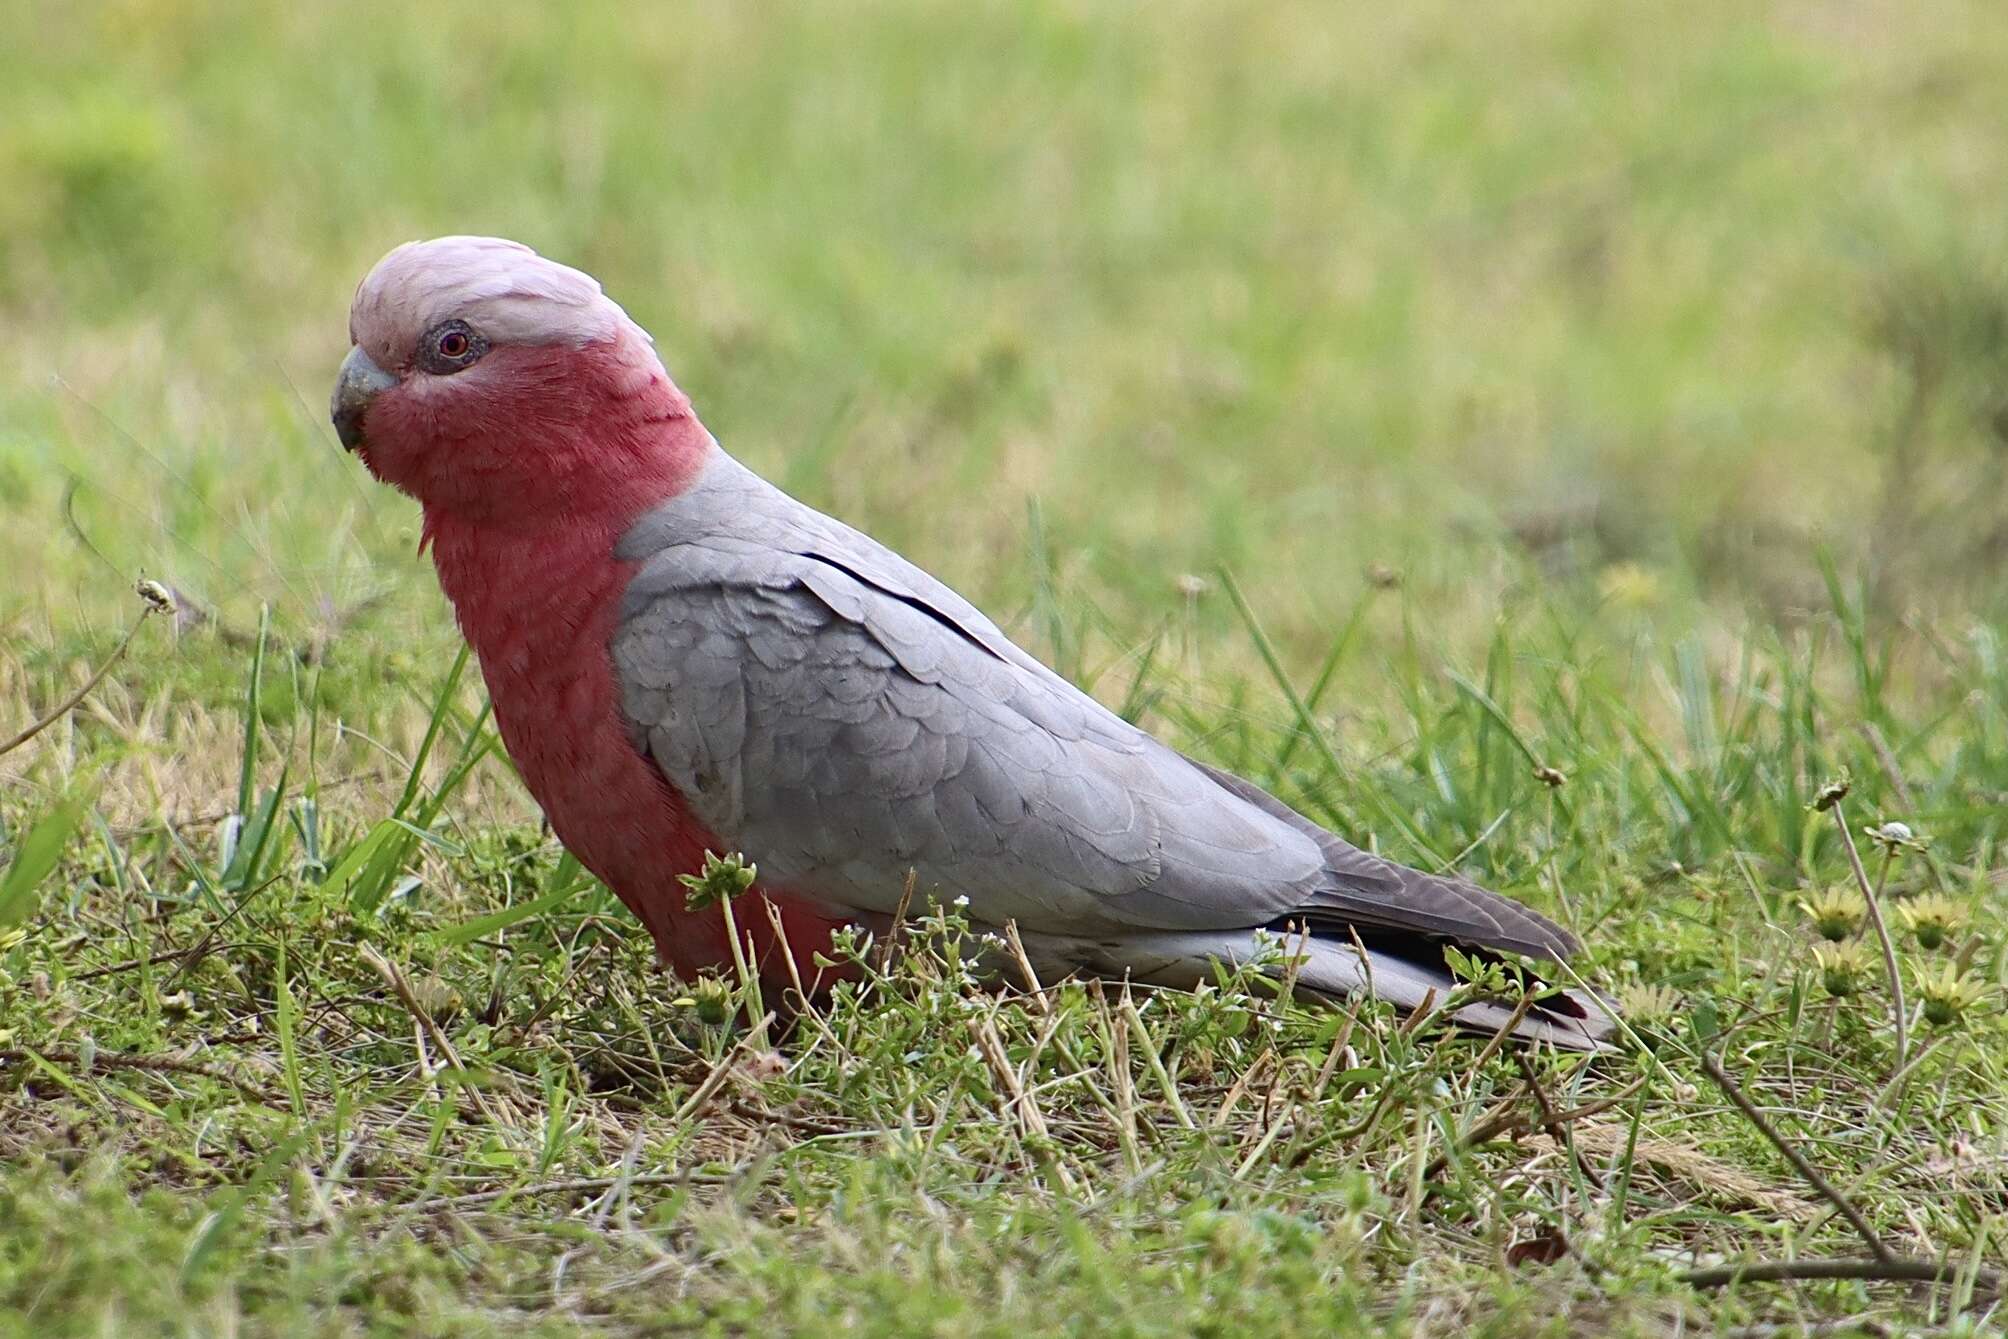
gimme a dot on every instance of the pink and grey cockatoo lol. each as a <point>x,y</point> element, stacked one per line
<point>683,658</point>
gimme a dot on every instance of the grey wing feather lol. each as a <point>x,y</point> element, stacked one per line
<point>1368,891</point>
<point>841,716</point>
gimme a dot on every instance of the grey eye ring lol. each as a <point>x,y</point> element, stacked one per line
<point>449,347</point>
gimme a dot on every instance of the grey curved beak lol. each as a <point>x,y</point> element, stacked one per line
<point>358,383</point>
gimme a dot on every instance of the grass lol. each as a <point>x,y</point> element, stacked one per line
<point>1384,405</point>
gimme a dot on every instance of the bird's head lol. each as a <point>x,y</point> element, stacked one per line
<point>503,388</point>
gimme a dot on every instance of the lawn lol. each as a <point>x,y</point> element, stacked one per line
<point>1566,443</point>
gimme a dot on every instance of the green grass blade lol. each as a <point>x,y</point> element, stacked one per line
<point>1309,725</point>
<point>286,1021</point>
<point>247,776</point>
<point>441,708</point>
<point>567,885</point>
<point>35,858</point>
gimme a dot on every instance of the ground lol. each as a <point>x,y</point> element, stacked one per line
<point>1389,403</point>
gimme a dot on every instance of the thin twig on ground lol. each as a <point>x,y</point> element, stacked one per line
<point>1134,1020</point>
<point>1498,1040</point>
<point>428,1027</point>
<point>1897,1269</point>
<point>1898,1010</point>
<point>720,1072</point>
<point>1877,1246</point>
<point>1551,1119</point>
<point>584,1185</point>
<point>1032,983</point>
<point>891,941</point>
<point>154,600</point>
<point>160,1064</point>
<point>1020,1100</point>
<point>1509,1122</point>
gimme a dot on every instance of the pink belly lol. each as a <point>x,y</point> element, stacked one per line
<point>615,812</point>
<point>540,623</point>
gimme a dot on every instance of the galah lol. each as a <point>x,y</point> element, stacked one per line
<point>682,658</point>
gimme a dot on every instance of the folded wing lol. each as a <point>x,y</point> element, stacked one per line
<point>843,717</point>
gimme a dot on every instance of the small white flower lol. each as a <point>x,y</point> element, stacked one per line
<point>962,902</point>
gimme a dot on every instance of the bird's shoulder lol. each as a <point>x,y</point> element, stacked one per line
<point>787,570</point>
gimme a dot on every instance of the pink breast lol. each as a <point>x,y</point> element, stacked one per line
<point>540,618</point>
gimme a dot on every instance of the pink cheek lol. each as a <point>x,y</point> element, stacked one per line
<point>440,409</point>
<point>389,439</point>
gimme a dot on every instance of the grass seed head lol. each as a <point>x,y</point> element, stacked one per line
<point>722,879</point>
<point>710,998</point>
<point>157,596</point>
<point>1833,792</point>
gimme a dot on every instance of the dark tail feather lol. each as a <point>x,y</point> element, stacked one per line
<point>1370,893</point>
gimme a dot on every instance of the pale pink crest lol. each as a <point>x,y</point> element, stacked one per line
<point>503,289</point>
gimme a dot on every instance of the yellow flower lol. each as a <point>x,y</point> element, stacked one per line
<point>1835,913</point>
<point>1932,919</point>
<point>1946,994</point>
<point>1628,586</point>
<point>1841,967</point>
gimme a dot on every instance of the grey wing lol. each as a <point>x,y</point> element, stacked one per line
<point>840,736</point>
<point>842,717</point>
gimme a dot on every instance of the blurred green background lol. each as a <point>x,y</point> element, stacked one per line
<point>1642,307</point>
<point>1622,388</point>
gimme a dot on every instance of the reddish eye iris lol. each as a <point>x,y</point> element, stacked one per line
<point>453,344</point>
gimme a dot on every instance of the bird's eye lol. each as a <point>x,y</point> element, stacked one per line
<point>450,346</point>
